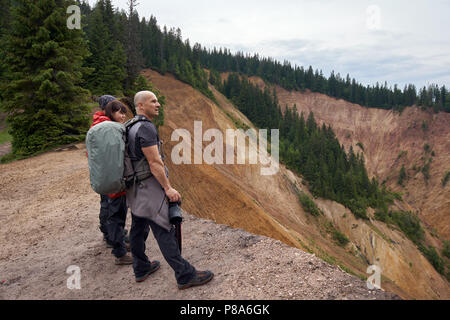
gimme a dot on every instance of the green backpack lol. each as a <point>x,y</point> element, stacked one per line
<point>106,148</point>
<point>110,168</point>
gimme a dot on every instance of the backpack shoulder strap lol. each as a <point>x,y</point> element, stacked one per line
<point>130,123</point>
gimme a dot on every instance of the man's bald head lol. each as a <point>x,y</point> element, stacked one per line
<point>141,96</point>
<point>146,104</point>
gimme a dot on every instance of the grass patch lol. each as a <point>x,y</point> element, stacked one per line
<point>308,205</point>
<point>237,123</point>
<point>340,238</point>
<point>381,234</point>
<point>304,246</point>
<point>403,153</point>
<point>433,257</point>
<point>426,170</point>
<point>409,224</point>
<point>349,271</point>
<point>5,136</point>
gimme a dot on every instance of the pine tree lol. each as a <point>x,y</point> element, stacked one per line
<point>114,72</point>
<point>402,176</point>
<point>5,17</point>
<point>107,59</point>
<point>44,69</point>
<point>132,45</point>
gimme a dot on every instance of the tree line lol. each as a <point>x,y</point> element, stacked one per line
<point>165,51</point>
<point>111,49</point>
<point>298,78</point>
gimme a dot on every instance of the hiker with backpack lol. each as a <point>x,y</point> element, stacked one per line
<point>113,206</point>
<point>149,199</point>
<point>99,117</point>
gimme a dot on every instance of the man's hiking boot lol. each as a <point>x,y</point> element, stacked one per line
<point>201,277</point>
<point>125,259</point>
<point>155,266</point>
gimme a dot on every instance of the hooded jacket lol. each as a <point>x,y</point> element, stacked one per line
<point>99,117</point>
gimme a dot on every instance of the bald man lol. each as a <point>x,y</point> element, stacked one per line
<point>148,200</point>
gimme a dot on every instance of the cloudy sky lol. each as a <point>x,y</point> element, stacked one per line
<point>381,40</point>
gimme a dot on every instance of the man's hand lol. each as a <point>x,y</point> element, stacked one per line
<point>173,195</point>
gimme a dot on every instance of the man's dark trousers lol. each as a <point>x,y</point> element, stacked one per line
<point>168,245</point>
<point>115,224</point>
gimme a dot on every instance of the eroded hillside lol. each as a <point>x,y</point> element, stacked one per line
<point>239,196</point>
<point>390,140</point>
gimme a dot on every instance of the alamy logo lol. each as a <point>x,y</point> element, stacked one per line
<point>213,153</point>
<point>74,281</point>
<point>374,281</point>
<point>74,20</point>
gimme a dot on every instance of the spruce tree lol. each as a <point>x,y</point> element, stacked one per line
<point>42,96</point>
<point>132,45</point>
<point>108,58</point>
<point>5,18</point>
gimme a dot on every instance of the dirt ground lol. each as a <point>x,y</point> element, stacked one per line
<point>49,220</point>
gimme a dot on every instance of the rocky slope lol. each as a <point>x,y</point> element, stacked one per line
<point>50,221</point>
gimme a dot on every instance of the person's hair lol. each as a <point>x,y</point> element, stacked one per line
<point>113,107</point>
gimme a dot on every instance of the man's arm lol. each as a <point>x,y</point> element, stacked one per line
<point>157,169</point>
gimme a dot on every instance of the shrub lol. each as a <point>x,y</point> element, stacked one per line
<point>402,154</point>
<point>401,176</point>
<point>445,178</point>
<point>340,238</point>
<point>426,171</point>
<point>381,215</point>
<point>359,144</point>
<point>409,223</point>
<point>358,208</point>
<point>446,249</point>
<point>308,204</point>
<point>431,254</point>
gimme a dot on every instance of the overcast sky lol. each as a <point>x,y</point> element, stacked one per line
<point>397,41</point>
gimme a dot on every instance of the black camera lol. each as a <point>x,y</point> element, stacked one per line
<point>175,214</point>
